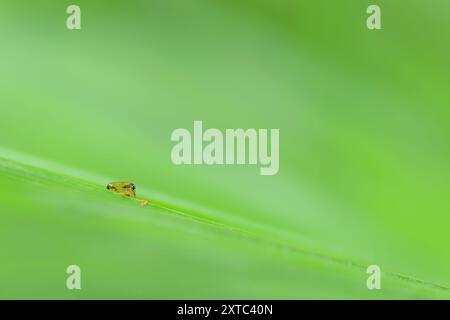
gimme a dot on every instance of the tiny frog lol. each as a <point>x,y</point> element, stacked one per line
<point>124,188</point>
<point>127,189</point>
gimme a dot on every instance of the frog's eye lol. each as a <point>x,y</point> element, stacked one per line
<point>110,187</point>
<point>132,186</point>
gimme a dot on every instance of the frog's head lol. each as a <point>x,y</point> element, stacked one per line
<point>125,188</point>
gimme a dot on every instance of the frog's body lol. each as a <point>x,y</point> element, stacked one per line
<point>127,189</point>
<point>124,188</point>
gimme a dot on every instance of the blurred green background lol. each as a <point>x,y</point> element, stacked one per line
<point>364,149</point>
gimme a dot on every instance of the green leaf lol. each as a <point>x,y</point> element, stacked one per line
<point>51,220</point>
